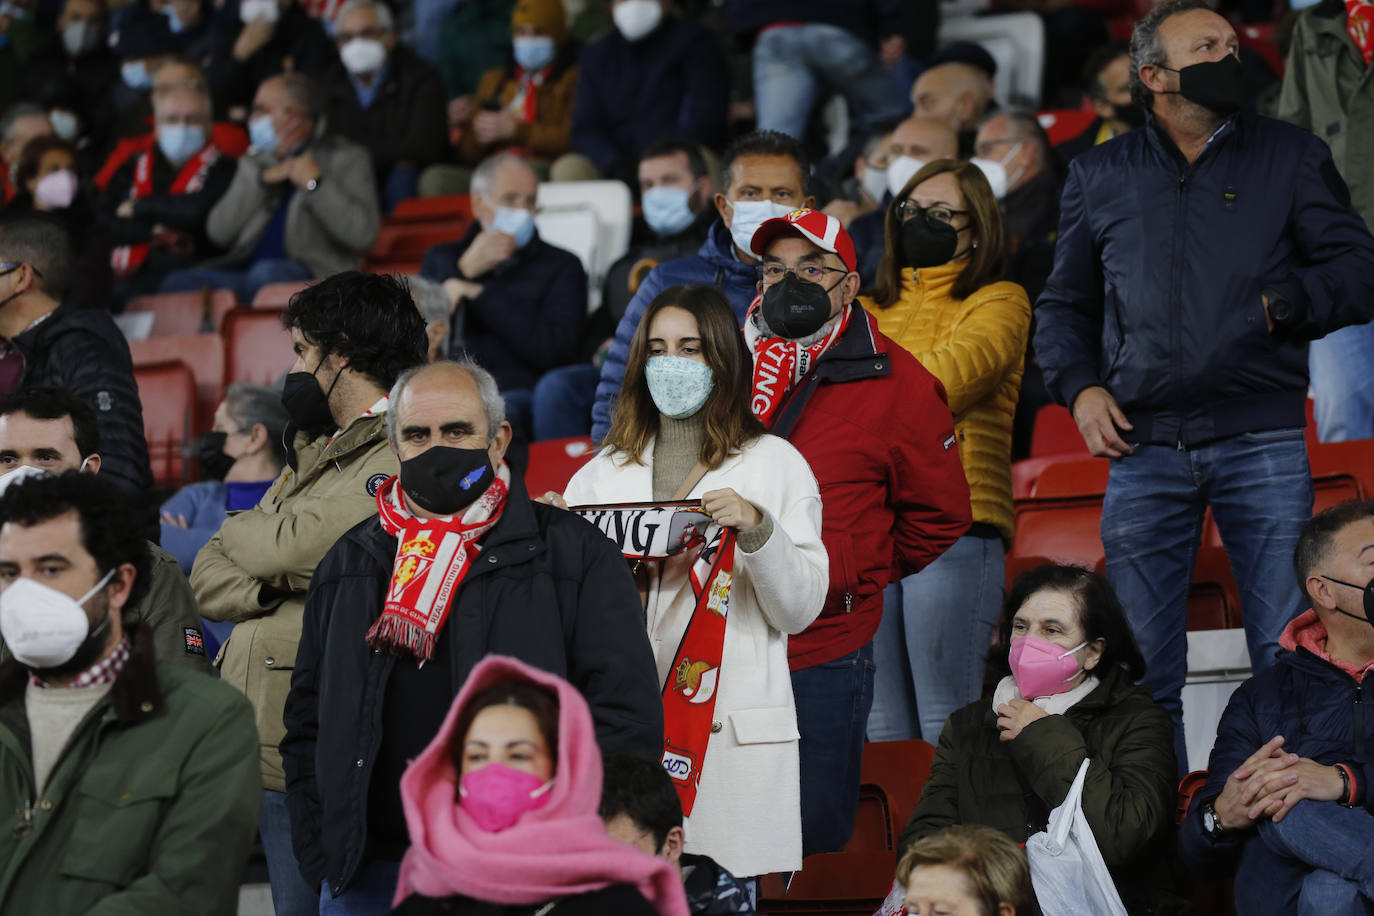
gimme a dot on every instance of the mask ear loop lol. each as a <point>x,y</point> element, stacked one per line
<point>1066,655</point>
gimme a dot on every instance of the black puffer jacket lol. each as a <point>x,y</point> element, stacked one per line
<point>547,588</point>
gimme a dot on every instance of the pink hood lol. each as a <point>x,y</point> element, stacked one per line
<point>555,851</point>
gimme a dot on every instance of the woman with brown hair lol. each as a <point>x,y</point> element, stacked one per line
<point>683,430</point>
<point>967,870</point>
<point>939,295</point>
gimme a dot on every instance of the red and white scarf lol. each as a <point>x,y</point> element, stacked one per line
<point>127,259</point>
<point>779,363</point>
<point>1359,22</point>
<point>524,105</point>
<point>650,532</point>
<point>432,557</point>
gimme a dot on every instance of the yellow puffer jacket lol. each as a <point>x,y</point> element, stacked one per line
<point>976,347</point>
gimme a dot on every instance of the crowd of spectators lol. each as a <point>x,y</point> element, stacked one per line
<point>859,267</point>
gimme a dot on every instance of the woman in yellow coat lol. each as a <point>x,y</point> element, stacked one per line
<point>939,294</point>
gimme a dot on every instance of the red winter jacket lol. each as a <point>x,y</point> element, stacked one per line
<point>876,429</point>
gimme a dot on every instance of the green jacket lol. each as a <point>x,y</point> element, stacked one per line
<point>151,808</point>
<point>1129,796</point>
<point>256,569</point>
<point>1328,89</point>
<point>169,608</point>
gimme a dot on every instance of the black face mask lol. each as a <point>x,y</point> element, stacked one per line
<point>306,403</point>
<point>214,464</point>
<point>794,308</point>
<point>446,480</point>
<point>1132,115</point>
<point>1368,598</point>
<point>928,242</point>
<point>1217,85</point>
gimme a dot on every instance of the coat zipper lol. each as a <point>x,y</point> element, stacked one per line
<point>1176,304</point>
<point>1359,721</point>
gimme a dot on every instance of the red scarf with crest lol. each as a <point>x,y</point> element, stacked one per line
<point>127,259</point>
<point>1359,22</point>
<point>779,363</point>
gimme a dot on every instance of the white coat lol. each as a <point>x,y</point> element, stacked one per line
<point>748,806</point>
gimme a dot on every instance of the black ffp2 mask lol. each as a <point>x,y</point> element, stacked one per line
<point>307,403</point>
<point>214,464</point>
<point>928,242</point>
<point>795,308</point>
<point>1217,85</point>
<point>1368,591</point>
<point>446,480</point>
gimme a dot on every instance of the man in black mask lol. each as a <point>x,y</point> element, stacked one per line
<point>457,563</point>
<point>354,334</point>
<point>1196,258</point>
<point>1107,80</point>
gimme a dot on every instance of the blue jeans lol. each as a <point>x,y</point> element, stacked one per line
<point>291,896</point>
<point>933,642</point>
<point>792,63</point>
<point>520,410</point>
<point>401,182</point>
<point>245,283</point>
<point>833,700</point>
<point>369,895</point>
<point>1317,861</point>
<point>1341,365</point>
<point>1260,490</point>
<point>563,400</point>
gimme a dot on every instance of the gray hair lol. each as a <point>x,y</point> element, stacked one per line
<point>429,297</point>
<point>249,405</point>
<point>304,92</point>
<point>384,16</point>
<point>14,113</point>
<point>493,405</point>
<point>1146,47</point>
<point>484,176</point>
<point>1027,126</point>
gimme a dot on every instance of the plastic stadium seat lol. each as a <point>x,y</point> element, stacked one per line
<point>1061,530</point>
<point>278,295</point>
<point>1353,459</point>
<point>1073,476</point>
<point>432,209</point>
<point>177,314</point>
<point>168,394</point>
<point>410,241</point>
<point>1188,786</point>
<point>1065,123</point>
<point>592,219</point>
<point>1016,42</point>
<point>1262,37</point>
<point>256,347</point>
<point>203,354</point>
<point>1213,596</point>
<point>1025,474</point>
<point>553,462</point>
<point>1055,433</point>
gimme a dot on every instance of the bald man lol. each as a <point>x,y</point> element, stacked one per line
<point>957,93</point>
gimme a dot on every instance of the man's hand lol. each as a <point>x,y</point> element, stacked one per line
<point>552,499</point>
<point>493,126</point>
<point>730,509</point>
<point>486,251</point>
<point>1014,715</point>
<point>252,37</point>
<point>1268,321</point>
<point>460,110</point>
<point>1235,805</point>
<point>846,211</point>
<point>1098,418</point>
<point>177,520</point>
<point>1303,779</point>
<point>458,290</point>
<point>275,174</point>
<point>302,169</point>
<point>125,210</point>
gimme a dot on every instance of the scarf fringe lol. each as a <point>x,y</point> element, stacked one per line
<point>399,636</point>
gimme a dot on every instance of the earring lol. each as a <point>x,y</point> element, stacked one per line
<point>975,244</point>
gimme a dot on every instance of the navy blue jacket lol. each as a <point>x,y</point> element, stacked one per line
<point>714,265</point>
<point>871,20</point>
<point>1160,266</point>
<point>1321,713</point>
<point>529,317</point>
<point>671,83</point>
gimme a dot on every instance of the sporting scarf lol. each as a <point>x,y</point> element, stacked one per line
<point>652,532</point>
<point>127,259</point>
<point>779,363</point>
<point>432,557</point>
<point>1359,23</point>
<point>525,103</point>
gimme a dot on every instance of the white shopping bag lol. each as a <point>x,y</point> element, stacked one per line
<point>1067,870</point>
<point>895,904</point>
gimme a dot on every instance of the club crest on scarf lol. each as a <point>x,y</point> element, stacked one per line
<point>653,532</point>
<point>779,363</point>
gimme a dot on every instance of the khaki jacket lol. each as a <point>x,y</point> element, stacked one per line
<point>976,348</point>
<point>256,570</point>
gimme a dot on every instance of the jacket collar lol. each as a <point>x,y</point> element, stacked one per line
<point>719,251</point>
<point>1165,145</point>
<point>854,357</point>
<point>313,454</point>
<point>135,696</point>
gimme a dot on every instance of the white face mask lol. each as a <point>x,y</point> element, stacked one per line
<point>42,626</point>
<point>748,216</point>
<point>899,172</point>
<point>64,123</point>
<point>363,55</point>
<point>259,11</point>
<point>637,18</point>
<point>995,171</point>
<point>23,472</point>
<point>81,37</point>
<point>874,182</point>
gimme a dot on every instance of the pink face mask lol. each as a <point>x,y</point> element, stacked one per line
<point>497,795</point>
<point>55,190</point>
<point>1042,668</point>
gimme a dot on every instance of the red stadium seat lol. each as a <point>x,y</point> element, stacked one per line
<point>1188,786</point>
<point>1056,433</point>
<point>203,354</point>
<point>178,314</point>
<point>553,462</point>
<point>1352,459</point>
<point>432,209</point>
<point>1063,530</point>
<point>410,241</point>
<point>256,347</point>
<point>167,391</point>
<point>1025,474</point>
<point>278,295</point>
<point>1262,37</point>
<point>1065,123</point>
<point>1073,476</point>
<point>1213,596</point>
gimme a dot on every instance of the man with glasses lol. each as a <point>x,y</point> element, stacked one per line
<point>386,98</point>
<point>877,432</point>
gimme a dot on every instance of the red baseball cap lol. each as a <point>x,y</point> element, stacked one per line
<point>825,232</point>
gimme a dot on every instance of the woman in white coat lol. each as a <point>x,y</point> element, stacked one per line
<point>683,430</point>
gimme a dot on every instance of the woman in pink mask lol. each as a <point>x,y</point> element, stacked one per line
<point>502,811</point>
<point>1008,760</point>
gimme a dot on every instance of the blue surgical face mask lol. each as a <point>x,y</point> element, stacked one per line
<point>748,216</point>
<point>533,52</point>
<point>262,134</point>
<point>135,75</point>
<point>666,210</point>
<point>173,20</point>
<point>514,221</point>
<point>180,142</point>
<point>678,385</point>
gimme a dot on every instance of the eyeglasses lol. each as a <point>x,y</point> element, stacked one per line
<point>9,267</point>
<point>376,33</point>
<point>909,210</point>
<point>984,150</point>
<point>812,273</point>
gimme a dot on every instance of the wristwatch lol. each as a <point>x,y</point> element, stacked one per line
<point>312,184</point>
<point>1211,824</point>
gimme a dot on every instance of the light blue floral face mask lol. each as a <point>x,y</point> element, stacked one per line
<point>678,385</point>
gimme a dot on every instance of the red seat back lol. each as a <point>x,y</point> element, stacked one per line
<point>168,395</point>
<point>1064,530</point>
<point>278,295</point>
<point>553,462</point>
<point>179,314</point>
<point>1073,476</point>
<point>432,209</point>
<point>410,241</point>
<point>203,354</point>
<point>257,348</point>
<point>1055,433</point>
<point>1065,123</point>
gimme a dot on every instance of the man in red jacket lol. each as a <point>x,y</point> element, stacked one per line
<point>877,431</point>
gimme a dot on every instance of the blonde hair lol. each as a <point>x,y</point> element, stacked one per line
<point>995,867</point>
